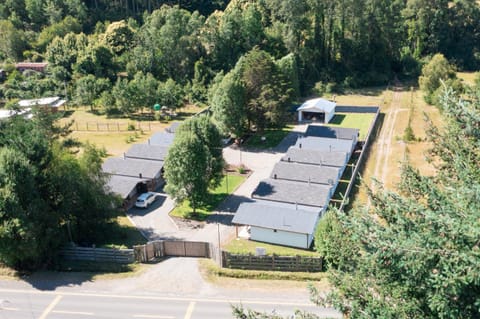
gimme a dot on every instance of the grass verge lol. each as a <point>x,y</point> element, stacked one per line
<point>99,268</point>
<point>211,269</point>
<point>361,121</point>
<point>121,233</point>
<point>272,137</point>
<point>245,246</point>
<point>227,186</point>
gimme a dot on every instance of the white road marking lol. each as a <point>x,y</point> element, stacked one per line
<point>153,316</point>
<point>9,309</point>
<point>50,307</point>
<point>190,308</point>
<point>136,297</point>
<point>80,313</point>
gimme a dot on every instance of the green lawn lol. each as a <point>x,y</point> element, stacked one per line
<point>361,121</point>
<point>122,234</point>
<point>272,138</point>
<point>215,197</point>
<point>245,246</point>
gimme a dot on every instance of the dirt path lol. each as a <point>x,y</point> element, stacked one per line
<point>386,138</point>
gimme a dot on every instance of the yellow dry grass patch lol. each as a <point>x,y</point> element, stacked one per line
<point>398,151</point>
<point>467,77</point>
<point>111,133</point>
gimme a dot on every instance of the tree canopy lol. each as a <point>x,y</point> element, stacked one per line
<point>351,43</point>
<point>44,189</point>
<point>415,253</point>
<point>194,162</point>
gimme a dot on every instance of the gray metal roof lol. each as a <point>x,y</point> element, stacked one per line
<point>132,167</point>
<point>313,157</point>
<point>306,173</point>
<point>293,192</point>
<point>173,127</point>
<point>332,132</point>
<point>325,144</point>
<point>123,185</point>
<point>148,152</point>
<point>161,138</point>
<point>272,217</point>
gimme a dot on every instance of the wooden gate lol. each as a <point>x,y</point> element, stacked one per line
<point>186,249</point>
<point>155,249</point>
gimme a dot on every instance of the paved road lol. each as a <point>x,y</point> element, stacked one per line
<point>31,304</point>
<point>171,289</point>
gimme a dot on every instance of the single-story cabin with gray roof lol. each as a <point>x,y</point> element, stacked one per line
<point>299,193</point>
<point>125,186</point>
<point>306,173</point>
<point>133,167</point>
<point>326,144</point>
<point>161,138</point>
<point>278,225</point>
<point>147,152</point>
<point>333,132</point>
<point>314,157</point>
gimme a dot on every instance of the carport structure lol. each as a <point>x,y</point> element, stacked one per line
<point>316,110</point>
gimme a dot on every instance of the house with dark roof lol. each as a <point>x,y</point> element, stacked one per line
<point>278,224</point>
<point>292,192</point>
<point>147,152</point>
<point>306,173</point>
<point>314,157</point>
<point>136,171</point>
<point>133,167</point>
<point>162,139</point>
<point>126,187</point>
<point>333,132</point>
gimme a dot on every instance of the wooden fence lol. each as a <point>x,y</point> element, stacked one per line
<point>272,262</point>
<point>119,256</point>
<point>112,127</point>
<point>157,249</point>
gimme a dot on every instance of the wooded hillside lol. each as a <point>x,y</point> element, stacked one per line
<point>100,46</point>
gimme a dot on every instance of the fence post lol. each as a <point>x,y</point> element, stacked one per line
<point>98,128</point>
<point>118,127</point>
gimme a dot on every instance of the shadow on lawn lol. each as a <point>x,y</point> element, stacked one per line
<point>337,119</point>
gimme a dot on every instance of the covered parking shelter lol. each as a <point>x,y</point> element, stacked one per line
<point>316,110</point>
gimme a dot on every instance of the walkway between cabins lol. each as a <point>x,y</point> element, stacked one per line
<point>156,224</point>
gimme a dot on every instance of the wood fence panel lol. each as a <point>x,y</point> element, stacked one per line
<point>121,256</point>
<point>273,262</point>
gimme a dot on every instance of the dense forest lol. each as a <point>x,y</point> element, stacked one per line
<point>128,55</point>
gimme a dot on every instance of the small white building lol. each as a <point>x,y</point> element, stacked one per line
<point>48,103</point>
<point>316,110</point>
<point>278,224</point>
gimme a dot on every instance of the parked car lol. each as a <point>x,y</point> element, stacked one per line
<point>145,199</point>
